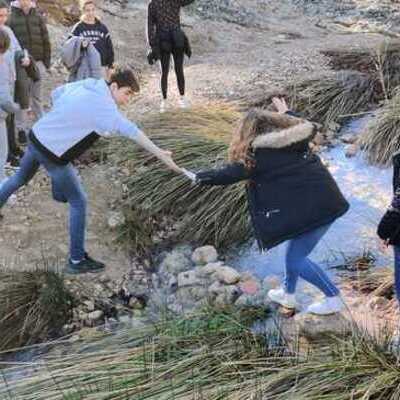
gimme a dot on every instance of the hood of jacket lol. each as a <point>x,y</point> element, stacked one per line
<point>282,130</point>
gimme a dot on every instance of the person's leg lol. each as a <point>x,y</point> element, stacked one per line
<point>66,186</point>
<point>165,58</point>
<point>27,170</point>
<point>298,264</point>
<point>3,149</point>
<point>178,55</point>
<point>396,250</point>
<point>36,92</point>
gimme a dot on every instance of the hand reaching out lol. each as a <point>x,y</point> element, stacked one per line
<point>280,104</point>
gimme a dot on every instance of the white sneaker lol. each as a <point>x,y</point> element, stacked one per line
<point>163,106</point>
<point>183,102</point>
<point>330,305</point>
<point>281,297</point>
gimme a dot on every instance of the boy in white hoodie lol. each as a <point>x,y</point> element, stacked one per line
<point>81,113</point>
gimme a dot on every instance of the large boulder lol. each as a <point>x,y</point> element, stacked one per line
<point>316,328</point>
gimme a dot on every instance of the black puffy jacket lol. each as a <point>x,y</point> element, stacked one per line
<point>389,226</point>
<point>289,191</point>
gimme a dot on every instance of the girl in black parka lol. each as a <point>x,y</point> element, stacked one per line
<point>291,194</point>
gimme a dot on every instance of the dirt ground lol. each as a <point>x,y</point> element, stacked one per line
<point>228,60</point>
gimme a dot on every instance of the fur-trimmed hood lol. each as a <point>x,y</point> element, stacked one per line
<point>282,130</point>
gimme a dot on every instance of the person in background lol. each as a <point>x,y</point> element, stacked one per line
<point>92,29</point>
<point>292,196</point>
<point>7,104</point>
<point>165,38</point>
<point>14,152</point>
<point>31,31</point>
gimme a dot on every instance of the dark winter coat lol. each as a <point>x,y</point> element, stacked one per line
<point>289,191</point>
<point>389,226</point>
<point>32,34</point>
<point>23,77</point>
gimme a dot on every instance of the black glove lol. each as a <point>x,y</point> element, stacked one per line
<point>389,227</point>
<point>150,57</point>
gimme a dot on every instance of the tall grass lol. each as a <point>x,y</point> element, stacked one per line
<point>34,305</point>
<point>381,139</point>
<point>333,98</point>
<point>213,356</point>
<point>199,140</point>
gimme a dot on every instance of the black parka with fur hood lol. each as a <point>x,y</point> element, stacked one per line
<point>290,191</point>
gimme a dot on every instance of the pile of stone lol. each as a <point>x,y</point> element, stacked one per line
<point>188,280</point>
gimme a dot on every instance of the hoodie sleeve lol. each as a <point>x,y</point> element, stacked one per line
<point>110,58</point>
<point>115,123</point>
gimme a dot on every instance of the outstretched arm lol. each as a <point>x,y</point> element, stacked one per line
<point>227,175</point>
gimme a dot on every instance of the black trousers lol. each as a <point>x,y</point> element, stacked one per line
<point>13,149</point>
<point>165,59</point>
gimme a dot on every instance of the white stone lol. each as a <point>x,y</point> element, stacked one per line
<point>227,275</point>
<point>95,315</point>
<point>115,219</point>
<point>205,255</point>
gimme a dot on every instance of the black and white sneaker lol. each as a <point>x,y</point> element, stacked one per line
<point>86,265</point>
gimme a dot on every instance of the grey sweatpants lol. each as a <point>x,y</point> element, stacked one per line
<point>3,148</point>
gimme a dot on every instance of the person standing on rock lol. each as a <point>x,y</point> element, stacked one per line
<point>292,196</point>
<point>80,109</point>
<point>94,31</point>
<point>31,31</point>
<point>165,38</point>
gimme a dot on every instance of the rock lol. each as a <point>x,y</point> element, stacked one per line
<point>89,305</point>
<point>250,286</point>
<point>191,293</point>
<point>216,288</point>
<point>351,150</point>
<point>189,278</point>
<point>209,269</point>
<point>205,255</point>
<point>95,315</point>
<point>135,303</point>
<point>227,296</point>
<point>319,139</point>
<point>175,262</point>
<point>315,327</point>
<point>227,275</point>
<point>271,282</point>
<point>115,219</point>
<point>348,138</point>
<point>252,301</point>
<point>378,303</point>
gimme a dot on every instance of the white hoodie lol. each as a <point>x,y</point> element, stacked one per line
<point>81,112</point>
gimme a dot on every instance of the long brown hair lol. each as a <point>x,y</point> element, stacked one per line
<point>240,149</point>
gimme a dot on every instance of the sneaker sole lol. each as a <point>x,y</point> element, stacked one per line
<point>72,271</point>
<point>289,306</point>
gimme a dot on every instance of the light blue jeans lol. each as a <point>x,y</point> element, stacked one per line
<point>299,265</point>
<point>397,271</point>
<point>66,188</point>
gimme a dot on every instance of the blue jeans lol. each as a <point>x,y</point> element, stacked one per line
<point>66,188</point>
<point>298,264</point>
<point>397,271</point>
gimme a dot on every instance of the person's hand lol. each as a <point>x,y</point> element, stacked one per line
<point>280,105</point>
<point>26,62</point>
<point>383,245</point>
